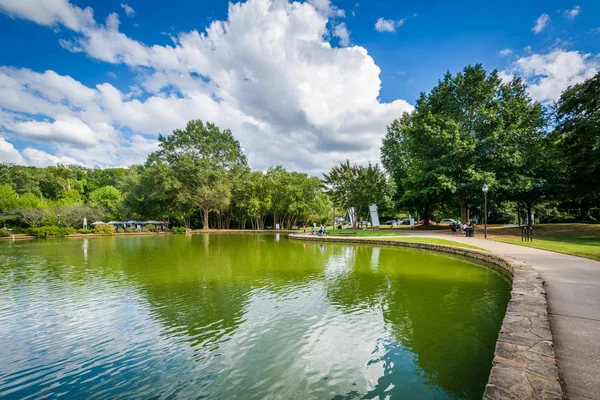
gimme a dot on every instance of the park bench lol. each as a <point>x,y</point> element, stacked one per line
<point>347,233</point>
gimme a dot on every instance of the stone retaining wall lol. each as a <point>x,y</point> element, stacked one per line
<point>524,365</point>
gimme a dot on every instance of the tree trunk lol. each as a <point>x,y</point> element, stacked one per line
<point>584,208</point>
<point>529,206</point>
<point>205,218</point>
<point>519,212</point>
<point>463,208</point>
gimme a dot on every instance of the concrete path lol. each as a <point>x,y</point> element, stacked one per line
<point>573,293</point>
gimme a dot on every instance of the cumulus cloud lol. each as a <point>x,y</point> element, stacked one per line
<point>548,75</point>
<point>505,52</point>
<point>268,73</point>
<point>388,25</point>
<point>572,13</point>
<point>340,31</point>
<point>129,11</point>
<point>65,129</point>
<point>541,23</point>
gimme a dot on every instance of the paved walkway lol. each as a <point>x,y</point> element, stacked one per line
<point>573,293</point>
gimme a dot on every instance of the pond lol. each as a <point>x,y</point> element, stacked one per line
<point>243,316</point>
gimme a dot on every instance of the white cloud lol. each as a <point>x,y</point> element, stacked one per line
<point>340,31</point>
<point>548,75</point>
<point>505,52</point>
<point>49,12</point>
<point>65,128</point>
<point>541,23</point>
<point>326,9</point>
<point>268,73</point>
<point>130,12</point>
<point>572,13</point>
<point>388,25</point>
<point>8,153</point>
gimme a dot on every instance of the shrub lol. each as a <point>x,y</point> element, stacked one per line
<point>55,231</point>
<point>150,228</point>
<point>129,230</point>
<point>84,231</point>
<point>4,233</point>
<point>179,229</point>
<point>104,229</point>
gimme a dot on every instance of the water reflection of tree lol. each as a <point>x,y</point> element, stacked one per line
<point>199,286</point>
<point>446,314</point>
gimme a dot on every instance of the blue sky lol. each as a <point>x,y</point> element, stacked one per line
<point>305,85</point>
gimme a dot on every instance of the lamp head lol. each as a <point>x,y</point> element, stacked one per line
<point>485,188</point>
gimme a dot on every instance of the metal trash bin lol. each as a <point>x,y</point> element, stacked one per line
<point>470,232</point>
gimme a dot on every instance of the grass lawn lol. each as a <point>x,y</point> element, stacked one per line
<point>577,239</point>
<point>435,241</point>
<point>336,232</point>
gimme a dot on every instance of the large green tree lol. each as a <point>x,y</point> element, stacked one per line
<point>577,138</point>
<point>470,129</point>
<point>357,186</point>
<point>198,165</point>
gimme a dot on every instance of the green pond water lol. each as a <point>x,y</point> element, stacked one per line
<point>243,316</point>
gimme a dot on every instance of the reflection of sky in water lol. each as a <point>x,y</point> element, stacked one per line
<point>70,324</point>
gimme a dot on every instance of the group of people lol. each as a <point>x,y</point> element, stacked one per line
<point>461,227</point>
<point>322,231</point>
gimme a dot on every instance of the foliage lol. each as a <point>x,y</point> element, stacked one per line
<point>470,129</point>
<point>150,228</point>
<point>55,231</point>
<point>357,186</point>
<point>33,216</point>
<point>84,231</point>
<point>73,214</point>
<point>104,229</point>
<point>4,233</point>
<point>107,198</point>
<point>179,229</point>
<point>129,230</point>
<point>577,139</point>
<point>197,167</point>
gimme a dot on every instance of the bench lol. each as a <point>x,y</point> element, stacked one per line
<point>347,233</point>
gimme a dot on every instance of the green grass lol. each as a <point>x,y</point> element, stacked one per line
<point>435,241</point>
<point>581,240</point>
<point>336,232</point>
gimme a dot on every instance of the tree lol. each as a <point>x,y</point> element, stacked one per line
<point>470,129</point>
<point>577,136</point>
<point>72,215</point>
<point>357,186</point>
<point>200,162</point>
<point>107,198</point>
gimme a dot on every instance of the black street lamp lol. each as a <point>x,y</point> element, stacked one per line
<point>485,189</point>
<point>58,219</point>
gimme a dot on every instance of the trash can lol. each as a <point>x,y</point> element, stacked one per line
<point>470,232</point>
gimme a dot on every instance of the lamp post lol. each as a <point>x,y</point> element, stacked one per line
<point>58,219</point>
<point>485,189</point>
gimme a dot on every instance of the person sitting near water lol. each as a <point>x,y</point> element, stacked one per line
<point>324,231</point>
<point>320,232</point>
<point>312,231</point>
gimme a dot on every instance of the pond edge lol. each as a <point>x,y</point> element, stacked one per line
<point>524,365</point>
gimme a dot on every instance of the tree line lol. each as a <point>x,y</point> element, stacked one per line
<point>199,177</point>
<point>471,128</point>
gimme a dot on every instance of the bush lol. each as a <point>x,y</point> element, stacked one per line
<point>4,233</point>
<point>55,231</point>
<point>84,231</point>
<point>129,230</point>
<point>104,229</point>
<point>150,228</point>
<point>179,229</point>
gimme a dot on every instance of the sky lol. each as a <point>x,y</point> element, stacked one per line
<point>305,85</point>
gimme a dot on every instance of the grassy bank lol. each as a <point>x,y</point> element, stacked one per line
<point>435,241</point>
<point>576,239</point>
<point>359,232</point>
